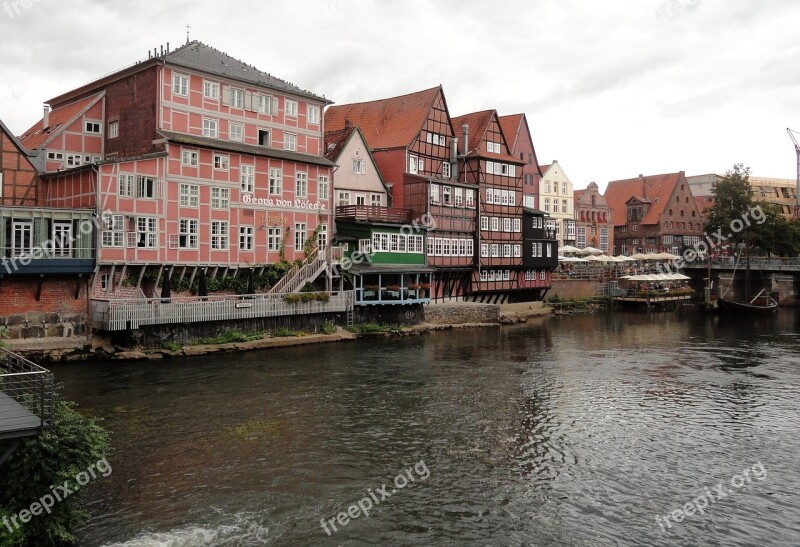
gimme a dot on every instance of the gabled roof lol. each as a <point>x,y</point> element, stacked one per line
<point>655,189</point>
<point>545,168</point>
<point>59,118</point>
<point>24,151</point>
<point>336,141</point>
<point>512,125</point>
<point>255,150</point>
<point>478,123</point>
<point>198,56</point>
<point>386,123</point>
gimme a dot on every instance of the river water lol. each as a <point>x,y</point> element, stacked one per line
<point>576,430</point>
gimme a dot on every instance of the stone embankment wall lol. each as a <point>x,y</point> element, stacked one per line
<point>57,313</point>
<point>572,288</point>
<point>462,313</point>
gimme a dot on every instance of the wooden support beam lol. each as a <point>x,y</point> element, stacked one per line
<point>39,287</point>
<point>111,278</point>
<point>78,286</point>
<point>121,276</point>
<point>141,276</point>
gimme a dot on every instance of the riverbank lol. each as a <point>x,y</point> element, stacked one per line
<point>443,316</point>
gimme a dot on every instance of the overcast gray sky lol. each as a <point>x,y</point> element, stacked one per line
<point>611,88</point>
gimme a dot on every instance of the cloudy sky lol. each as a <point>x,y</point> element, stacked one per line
<point>611,88</point>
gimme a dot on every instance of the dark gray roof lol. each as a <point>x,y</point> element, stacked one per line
<point>198,56</point>
<point>252,149</point>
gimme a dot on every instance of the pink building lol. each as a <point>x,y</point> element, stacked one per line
<point>193,160</point>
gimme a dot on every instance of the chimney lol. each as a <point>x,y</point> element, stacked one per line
<point>555,161</point>
<point>46,117</point>
<point>465,136</point>
<point>347,123</point>
<point>454,158</point>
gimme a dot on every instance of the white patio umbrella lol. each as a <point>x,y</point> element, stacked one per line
<point>667,256</point>
<point>590,251</point>
<point>639,256</point>
<point>571,259</point>
<point>568,249</point>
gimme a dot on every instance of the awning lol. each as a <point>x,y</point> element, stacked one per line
<point>391,269</point>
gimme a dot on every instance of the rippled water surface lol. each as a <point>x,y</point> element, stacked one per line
<point>572,431</point>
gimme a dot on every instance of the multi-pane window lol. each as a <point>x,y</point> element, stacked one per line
<point>21,237</point>
<point>495,250</point>
<point>180,85</point>
<point>322,236</point>
<point>189,195</point>
<point>247,178</point>
<point>484,250</point>
<point>275,181</point>
<point>507,250</point>
<point>299,235</point>
<point>484,223</point>
<point>375,200</point>
<point>446,199</point>
<point>313,115</point>
<point>290,141</point>
<point>219,234</point>
<point>237,98</point>
<point>220,198</point>
<point>189,158</point>
<point>495,224</point>
<point>113,129</point>
<point>506,224</point>
<point>413,165</point>
<point>458,194</point>
<point>147,232</point>
<point>187,233</point>
<point>301,185</point>
<point>246,234</point>
<point>563,206</point>
<point>446,169</point>
<point>236,132</point>
<point>210,128</point>
<point>274,238</point>
<point>517,225</point>
<point>343,198</point>
<point>359,167</point>
<point>222,162</point>
<point>113,231</point>
<point>62,238</point>
<point>92,127</point>
<point>290,107</point>
<point>145,187</point>
<point>126,184</point>
<point>265,104</point>
<point>434,193</point>
<point>323,186</point>
<point>211,90</point>
<point>471,199</point>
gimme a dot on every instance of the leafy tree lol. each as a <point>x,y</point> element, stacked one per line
<point>732,198</point>
<point>74,444</point>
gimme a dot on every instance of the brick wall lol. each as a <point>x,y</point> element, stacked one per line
<point>19,184</point>
<point>133,101</point>
<point>56,313</point>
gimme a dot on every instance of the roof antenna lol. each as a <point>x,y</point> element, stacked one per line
<point>187,34</point>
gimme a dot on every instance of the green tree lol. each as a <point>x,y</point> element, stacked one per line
<point>74,444</point>
<point>732,198</point>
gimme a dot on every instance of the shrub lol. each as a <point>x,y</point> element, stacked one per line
<point>328,327</point>
<point>232,336</point>
<point>74,444</point>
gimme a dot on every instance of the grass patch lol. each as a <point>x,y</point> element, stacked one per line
<point>328,327</point>
<point>375,328</point>
<point>172,346</point>
<point>231,336</point>
<point>287,333</point>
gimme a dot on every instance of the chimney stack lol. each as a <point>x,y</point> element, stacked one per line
<point>465,136</point>
<point>46,117</point>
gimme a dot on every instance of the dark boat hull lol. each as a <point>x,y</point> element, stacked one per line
<point>730,306</point>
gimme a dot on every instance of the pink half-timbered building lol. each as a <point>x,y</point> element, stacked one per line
<point>193,160</point>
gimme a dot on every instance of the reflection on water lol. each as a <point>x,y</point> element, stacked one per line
<point>573,430</point>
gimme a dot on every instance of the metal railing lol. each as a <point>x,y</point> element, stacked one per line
<point>125,314</point>
<point>26,396</point>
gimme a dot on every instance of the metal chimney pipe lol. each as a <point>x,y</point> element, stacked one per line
<point>454,158</point>
<point>465,135</point>
<point>46,117</point>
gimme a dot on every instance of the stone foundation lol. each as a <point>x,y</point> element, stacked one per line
<point>462,313</point>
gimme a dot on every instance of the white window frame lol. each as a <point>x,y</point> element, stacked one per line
<point>211,128</point>
<point>236,132</point>
<point>300,235</point>
<point>180,84</point>
<point>220,198</point>
<point>220,235</point>
<point>190,158</point>
<point>246,238</point>
<point>290,108</point>
<point>274,239</point>
<point>290,142</point>
<point>323,187</point>
<point>147,232</point>
<point>247,178</point>
<point>113,129</point>
<point>313,114</point>
<point>222,162</point>
<point>275,181</point>
<point>189,195</point>
<point>470,198</point>
<point>301,185</point>
<point>188,229</point>
<point>210,90</point>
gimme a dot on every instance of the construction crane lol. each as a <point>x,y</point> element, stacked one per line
<point>792,134</point>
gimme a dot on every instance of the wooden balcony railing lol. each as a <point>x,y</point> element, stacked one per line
<point>372,213</point>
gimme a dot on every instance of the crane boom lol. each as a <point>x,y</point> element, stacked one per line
<point>792,134</point>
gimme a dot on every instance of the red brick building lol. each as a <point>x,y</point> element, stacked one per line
<point>412,140</point>
<point>594,226</point>
<point>194,160</point>
<point>46,254</point>
<point>652,214</point>
<point>520,143</point>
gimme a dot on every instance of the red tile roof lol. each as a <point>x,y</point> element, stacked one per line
<point>336,140</point>
<point>511,125</point>
<point>386,123</point>
<point>544,168</point>
<point>37,135</point>
<point>655,189</point>
<point>478,123</point>
<point>703,203</point>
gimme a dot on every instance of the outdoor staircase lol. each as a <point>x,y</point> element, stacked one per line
<point>298,276</point>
